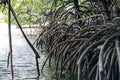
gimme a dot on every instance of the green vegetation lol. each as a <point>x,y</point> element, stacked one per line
<point>29,11</point>
<point>82,36</point>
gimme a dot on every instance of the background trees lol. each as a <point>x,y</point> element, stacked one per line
<point>34,11</point>
<point>81,35</point>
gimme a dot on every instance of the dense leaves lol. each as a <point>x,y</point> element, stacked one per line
<point>30,11</point>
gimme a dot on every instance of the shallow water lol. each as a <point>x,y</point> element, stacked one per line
<point>23,57</point>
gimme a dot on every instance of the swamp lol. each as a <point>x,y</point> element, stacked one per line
<point>60,40</point>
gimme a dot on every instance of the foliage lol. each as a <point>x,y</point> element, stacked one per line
<point>29,11</point>
<point>82,36</point>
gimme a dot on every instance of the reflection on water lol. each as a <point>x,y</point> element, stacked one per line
<point>23,57</point>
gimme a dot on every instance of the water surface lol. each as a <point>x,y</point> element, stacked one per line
<point>23,57</point>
